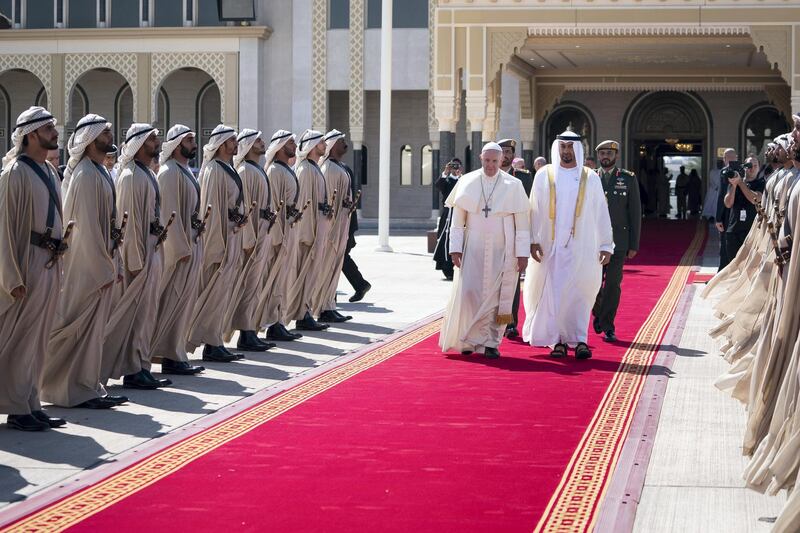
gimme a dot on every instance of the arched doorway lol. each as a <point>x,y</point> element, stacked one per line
<point>105,92</point>
<point>570,116</point>
<point>665,130</point>
<point>760,124</point>
<point>19,89</point>
<point>189,96</point>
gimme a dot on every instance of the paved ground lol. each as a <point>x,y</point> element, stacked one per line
<point>694,479</point>
<point>405,289</point>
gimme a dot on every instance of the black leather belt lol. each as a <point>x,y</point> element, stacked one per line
<point>325,208</point>
<point>44,240</point>
<point>236,217</point>
<point>197,224</point>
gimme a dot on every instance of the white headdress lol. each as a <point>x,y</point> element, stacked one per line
<point>278,141</point>
<point>577,146</point>
<point>218,136</point>
<point>783,141</point>
<point>86,131</point>
<point>30,120</point>
<point>308,140</point>
<point>134,139</point>
<point>175,137</point>
<point>246,138</point>
<point>330,139</point>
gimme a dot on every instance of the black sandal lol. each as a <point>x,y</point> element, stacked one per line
<point>582,351</point>
<point>559,351</point>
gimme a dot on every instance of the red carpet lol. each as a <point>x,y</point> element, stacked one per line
<point>410,441</point>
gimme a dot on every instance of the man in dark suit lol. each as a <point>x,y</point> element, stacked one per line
<point>625,207</point>
<point>509,147</point>
<point>349,267</point>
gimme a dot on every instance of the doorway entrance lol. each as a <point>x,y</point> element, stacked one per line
<point>665,129</point>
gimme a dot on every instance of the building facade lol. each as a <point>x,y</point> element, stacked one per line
<point>689,77</point>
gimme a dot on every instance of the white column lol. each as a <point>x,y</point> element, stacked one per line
<point>251,99</point>
<point>384,169</point>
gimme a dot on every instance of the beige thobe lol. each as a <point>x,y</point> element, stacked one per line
<point>25,322</point>
<point>313,231</point>
<point>223,244</point>
<point>130,330</point>
<point>337,179</point>
<point>281,267</point>
<point>183,261</point>
<point>242,311</point>
<point>75,350</point>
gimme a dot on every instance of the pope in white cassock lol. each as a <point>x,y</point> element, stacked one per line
<point>571,240</point>
<point>489,244</point>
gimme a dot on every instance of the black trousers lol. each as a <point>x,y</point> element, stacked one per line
<point>607,302</point>
<point>350,268</point>
<point>515,306</point>
<point>733,242</point>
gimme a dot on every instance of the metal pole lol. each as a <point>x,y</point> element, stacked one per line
<point>385,155</point>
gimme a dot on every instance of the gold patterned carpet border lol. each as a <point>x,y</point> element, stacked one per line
<point>94,499</point>
<point>575,502</point>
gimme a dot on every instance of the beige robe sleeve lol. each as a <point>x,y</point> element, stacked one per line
<point>251,194</point>
<point>214,192</point>
<point>307,227</point>
<point>277,183</point>
<point>15,205</point>
<point>131,197</point>
<point>176,195</point>
<point>89,204</point>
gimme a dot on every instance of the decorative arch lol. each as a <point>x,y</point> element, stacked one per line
<point>76,65</point>
<point>566,110</point>
<point>688,112</point>
<point>773,115</point>
<point>7,105</point>
<point>118,125</point>
<point>164,64</point>
<point>198,109</point>
<point>39,65</point>
<point>39,95</point>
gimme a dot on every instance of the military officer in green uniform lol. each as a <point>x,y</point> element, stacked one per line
<point>509,147</point>
<point>624,205</point>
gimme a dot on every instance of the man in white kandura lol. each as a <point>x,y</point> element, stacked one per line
<point>489,244</point>
<point>571,240</point>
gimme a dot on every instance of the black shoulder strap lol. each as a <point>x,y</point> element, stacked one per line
<point>266,179</point>
<point>104,171</point>
<point>296,181</point>
<point>154,183</point>
<point>236,179</point>
<point>189,176</point>
<point>49,182</point>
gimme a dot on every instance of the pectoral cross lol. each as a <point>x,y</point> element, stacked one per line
<point>486,210</point>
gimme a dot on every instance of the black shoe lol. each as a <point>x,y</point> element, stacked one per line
<point>359,295</point>
<point>277,332</point>
<point>140,380</point>
<point>249,342</point>
<point>511,331</point>
<point>52,422</point>
<point>237,355</point>
<point>26,423</point>
<point>342,317</point>
<point>491,353</point>
<point>467,352</point>
<point>596,326</point>
<point>559,351</point>
<point>97,403</point>
<point>164,382</point>
<point>448,274</point>
<point>216,354</point>
<point>287,332</point>
<point>610,336</point>
<point>333,316</point>
<point>309,324</point>
<point>179,368</point>
<point>582,351</point>
<point>116,400</point>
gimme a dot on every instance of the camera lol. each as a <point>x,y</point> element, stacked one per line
<point>455,165</point>
<point>735,167</point>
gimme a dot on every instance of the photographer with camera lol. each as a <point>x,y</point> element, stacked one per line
<point>445,184</point>
<point>745,187</point>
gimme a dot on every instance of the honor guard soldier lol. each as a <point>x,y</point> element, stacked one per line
<point>509,147</point>
<point>625,208</point>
